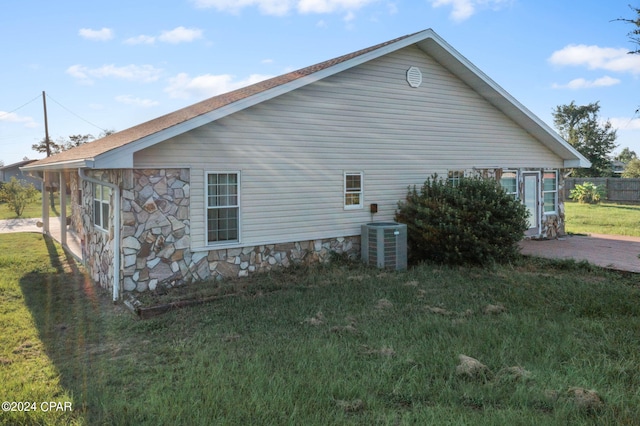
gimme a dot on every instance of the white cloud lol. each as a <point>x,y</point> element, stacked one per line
<point>581,83</point>
<point>595,57</point>
<point>103,34</point>
<point>266,61</point>
<point>12,117</point>
<point>464,9</point>
<point>142,73</point>
<point>180,35</point>
<point>141,39</point>
<point>183,86</point>
<point>330,6</point>
<point>130,100</point>
<point>282,7</point>
<point>268,7</point>
<point>174,36</point>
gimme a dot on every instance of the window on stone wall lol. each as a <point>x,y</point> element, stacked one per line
<point>223,207</point>
<point>550,191</point>
<point>509,181</point>
<point>101,206</point>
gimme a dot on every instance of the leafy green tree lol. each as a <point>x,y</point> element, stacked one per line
<point>41,147</point>
<point>632,169</point>
<point>626,155</point>
<point>77,140</point>
<point>580,126</point>
<point>634,34</point>
<point>18,194</point>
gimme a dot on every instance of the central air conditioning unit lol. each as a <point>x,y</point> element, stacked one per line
<point>384,245</point>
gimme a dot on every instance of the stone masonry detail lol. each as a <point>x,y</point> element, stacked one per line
<point>156,238</point>
<point>156,229</point>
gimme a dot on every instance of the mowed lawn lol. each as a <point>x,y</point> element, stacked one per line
<point>339,344</point>
<point>34,209</point>
<point>603,218</point>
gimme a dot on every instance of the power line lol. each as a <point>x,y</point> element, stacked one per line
<point>73,113</point>
<point>21,106</point>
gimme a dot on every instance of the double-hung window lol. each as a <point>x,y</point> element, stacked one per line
<point>223,207</point>
<point>454,176</point>
<point>101,206</point>
<point>550,191</point>
<point>353,190</point>
<point>509,181</point>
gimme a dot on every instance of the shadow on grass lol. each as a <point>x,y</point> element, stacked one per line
<point>66,309</point>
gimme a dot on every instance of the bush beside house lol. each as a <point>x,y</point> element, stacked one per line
<point>472,222</point>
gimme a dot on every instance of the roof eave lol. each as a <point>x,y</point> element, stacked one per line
<point>58,166</point>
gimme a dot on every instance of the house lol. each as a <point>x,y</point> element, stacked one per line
<point>287,169</point>
<point>13,170</point>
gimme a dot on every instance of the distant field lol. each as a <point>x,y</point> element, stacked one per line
<point>603,218</point>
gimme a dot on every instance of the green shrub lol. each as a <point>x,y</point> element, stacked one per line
<point>587,193</point>
<point>17,194</point>
<point>473,222</point>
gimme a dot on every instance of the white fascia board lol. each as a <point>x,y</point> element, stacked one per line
<point>64,165</point>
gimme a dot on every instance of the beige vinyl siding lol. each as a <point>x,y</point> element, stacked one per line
<point>293,150</point>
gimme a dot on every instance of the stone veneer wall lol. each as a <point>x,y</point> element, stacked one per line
<point>96,244</point>
<point>156,238</point>
<point>156,228</point>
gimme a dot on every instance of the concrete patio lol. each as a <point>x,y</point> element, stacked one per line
<point>608,251</point>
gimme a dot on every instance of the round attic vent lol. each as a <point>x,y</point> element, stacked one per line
<point>414,77</point>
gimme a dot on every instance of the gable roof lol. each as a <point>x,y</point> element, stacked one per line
<point>16,165</point>
<point>116,150</point>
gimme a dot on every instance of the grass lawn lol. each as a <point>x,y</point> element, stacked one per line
<point>339,344</point>
<point>35,209</point>
<point>603,218</point>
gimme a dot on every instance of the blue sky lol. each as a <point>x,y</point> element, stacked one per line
<point>114,64</point>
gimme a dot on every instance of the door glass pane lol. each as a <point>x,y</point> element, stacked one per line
<point>530,199</point>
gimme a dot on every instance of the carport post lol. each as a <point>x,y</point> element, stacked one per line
<point>45,206</point>
<point>63,209</point>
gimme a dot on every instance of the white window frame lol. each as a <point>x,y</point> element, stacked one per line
<point>349,192</point>
<point>236,206</point>
<point>554,192</point>
<point>101,206</point>
<point>515,194</point>
<point>454,176</point>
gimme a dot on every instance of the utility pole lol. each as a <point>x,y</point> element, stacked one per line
<point>46,125</point>
<point>45,182</point>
